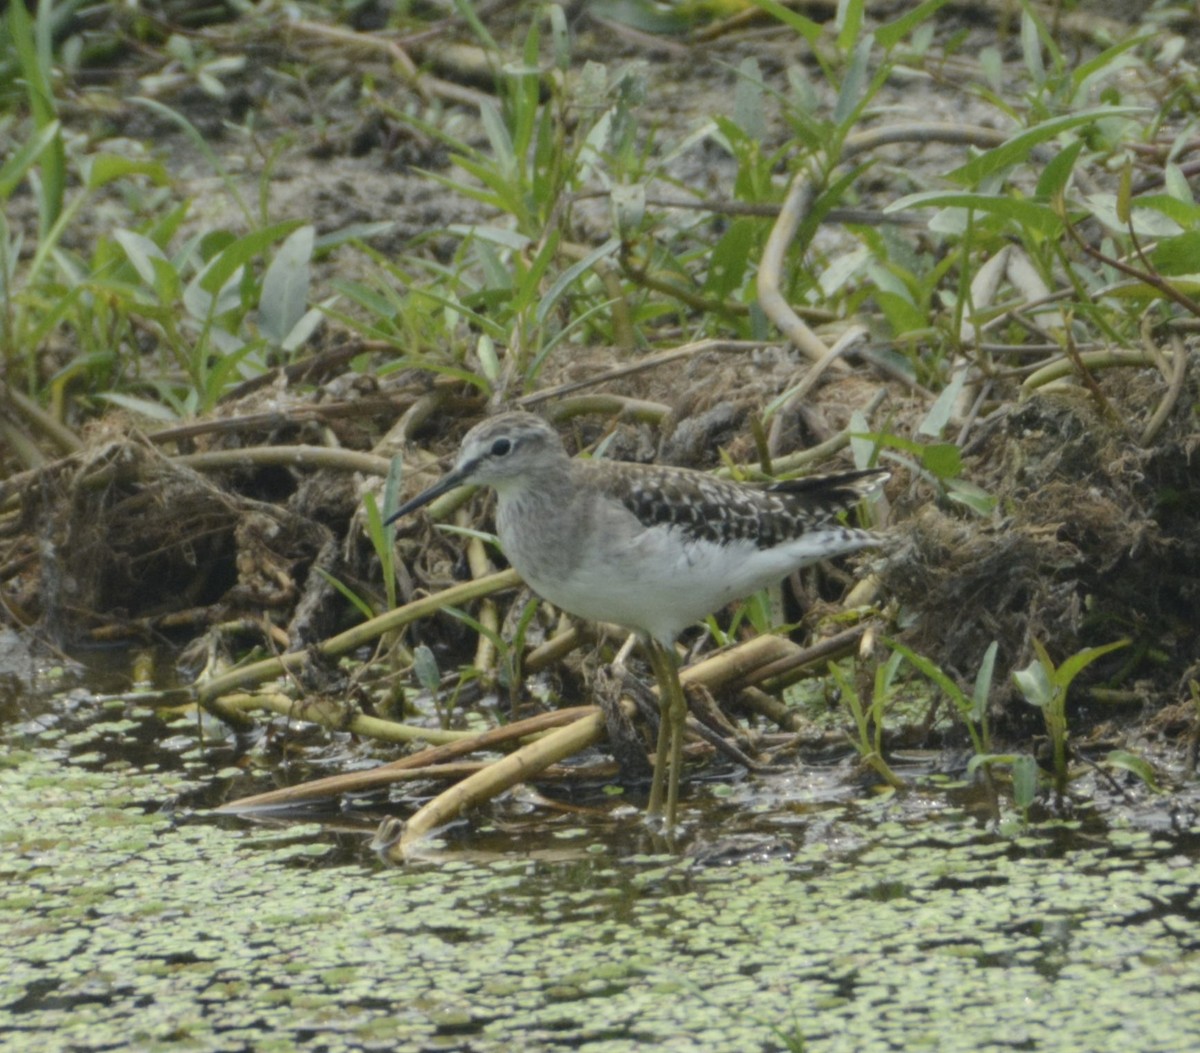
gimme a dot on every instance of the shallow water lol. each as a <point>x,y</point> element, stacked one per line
<point>789,916</point>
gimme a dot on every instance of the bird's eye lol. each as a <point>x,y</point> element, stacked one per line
<point>501,447</point>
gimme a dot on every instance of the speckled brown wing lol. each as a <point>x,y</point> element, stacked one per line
<point>721,511</point>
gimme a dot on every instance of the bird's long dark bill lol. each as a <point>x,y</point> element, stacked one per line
<point>446,483</point>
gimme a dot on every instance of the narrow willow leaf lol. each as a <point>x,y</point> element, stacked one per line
<point>983,681</point>
<point>284,297</point>
<point>849,21</point>
<point>854,83</point>
<point>1031,48</point>
<point>748,109</point>
<point>943,406</point>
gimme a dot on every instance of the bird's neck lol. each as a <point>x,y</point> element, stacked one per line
<point>539,491</point>
<point>537,503</point>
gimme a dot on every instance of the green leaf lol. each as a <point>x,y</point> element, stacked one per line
<point>499,190</point>
<point>810,30</point>
<point>383,535</point>
<point>933,672</point>
<point>730,258</point>
<point>1185,213</point>
<point>943,406</point>
<point>983,681</point>
<point>391,493</point>
<point>489,361</point>
<point>568,277</point>
<point>352,232</point>
<point>370,300</point>
<point>888,439</point>
<point>466,11</point>
<point>530,282</point>
<point>497,277</point>
<point>1178,255</point>
<point>1034,683</point>
<point>849,21</point>
<point>143,407</point>
<point>504,159</point>
<point>991,62</point>
<point>1103,63</point>
<point>980,760</point>
<point>943,460</point>
<point>359,603</point>
<point>1177,184</point>
<point>1015,150</point>
<point>241,252</point>
<point>1025,780</point>
<point>1054,177</point>
<point>1138,766</point>
<point>970,496</point>
<point>854,83</point>
<point>425,668</point>
<point>862,443</point>
<point>284,297</point>
<point>1033,214</point>
<point>36,63</point>
<point>748,110</point>
<point>1031,47</point>
<point>502,236</point>
<point>167,285</point>
<point>891,33</point>
<point>201,143</point>
<point>141,252</point>
<point>18,164</point>
<point>901,313</point>
<point>1080,660</point>
<point>103,169</point>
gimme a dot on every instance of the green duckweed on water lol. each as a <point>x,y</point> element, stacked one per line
<point>127,922</point>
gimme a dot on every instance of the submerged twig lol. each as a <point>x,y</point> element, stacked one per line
<point>341,716</point>
<point>496,778</point>
<point>386,774</point>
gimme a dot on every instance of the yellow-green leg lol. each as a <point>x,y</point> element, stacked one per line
<point>668,757</point>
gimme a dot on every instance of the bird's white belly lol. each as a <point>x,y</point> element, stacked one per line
<point>659,583</point>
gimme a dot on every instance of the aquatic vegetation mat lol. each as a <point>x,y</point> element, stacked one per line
<point>261,266</point>
<point>127,922</point>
